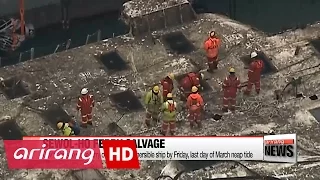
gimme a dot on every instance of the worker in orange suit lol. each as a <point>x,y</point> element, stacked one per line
<point>254,73</point>
<point>85,106</point>
<point>195,106</point>
<point>231,84</point>
<point>191,79</point>
<point>167,85</point>
<point>211,46</point>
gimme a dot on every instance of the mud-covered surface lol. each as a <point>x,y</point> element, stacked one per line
<point>137,8</point>
<point>58,79</point>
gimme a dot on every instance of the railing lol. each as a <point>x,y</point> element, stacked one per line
<point>18,57</point>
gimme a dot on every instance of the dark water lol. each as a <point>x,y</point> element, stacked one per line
<point>46,40</point>
<point>271,16</point>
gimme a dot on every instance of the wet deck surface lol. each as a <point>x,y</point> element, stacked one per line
<point>14,88</point>
<point>10,130</point>
<point>55,114</point>
<point>316,44</point>
<point>315,113</point>
<point>178,43</point>
<point>113,61</point>
<point>126,101</point>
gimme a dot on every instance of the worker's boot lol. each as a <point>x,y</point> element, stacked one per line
<point>224,109</point>
<point>163,133</point>
<point>148,123</point>
<point>258,91</point>
<point>192,125</point>
<point>90,123</point>
<point>199,124</point>
<point>232,109</point>
<point>246,92</point>
<point>172,133</point>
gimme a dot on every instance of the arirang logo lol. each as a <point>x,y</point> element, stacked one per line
<point>58,154</point>
<point>52,154</point>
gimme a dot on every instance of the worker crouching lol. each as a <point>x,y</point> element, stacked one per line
<point>169,115</point>
<point>190,80</point>
<point>195,105</point>
<point>230,86</point>
<point>65,128</point>
<point>211,46</point>
<point>167,85</point>
<point>254,73</point>
<point>153,103</point>
<point>85,106</point>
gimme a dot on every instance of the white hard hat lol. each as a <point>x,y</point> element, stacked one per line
<point>84,91</point>
<point>202,75</point>
<point>253,54</point>
<point>1,79</point>
<point>212,33</point>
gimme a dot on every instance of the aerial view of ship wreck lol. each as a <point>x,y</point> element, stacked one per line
<point>52,51</point>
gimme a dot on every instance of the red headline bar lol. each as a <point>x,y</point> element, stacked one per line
<point>279,141</point>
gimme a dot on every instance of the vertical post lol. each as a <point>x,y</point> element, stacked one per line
<point>20,57</point>
<point>99,35</point>
<point>56,48</point>
<point>87,40</point>
<point>165,18</point>
<point>181,15</point>
<point>31,53</point>
<point>68,44</point>
<point>0,62</point>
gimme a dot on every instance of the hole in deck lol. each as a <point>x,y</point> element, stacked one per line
<point>115,130</point>
<point>55,114</point>
<point>113,61</point>
<point>13,88</point>
<point>126,101</point>
<point>9,130</point>
<point>315,113</point>
<point>204,84</point>
<point>316,44</point>
<point>196,165</point>
<point>178,43</point>
<point>269,68</point>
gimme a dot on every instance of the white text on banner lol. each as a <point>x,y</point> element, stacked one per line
<point>188,148</point>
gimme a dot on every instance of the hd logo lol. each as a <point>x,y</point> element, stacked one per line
<point>280,148</point>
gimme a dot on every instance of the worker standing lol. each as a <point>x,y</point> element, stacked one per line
<point>231,84</point>
<point>85,106</point>
<point>195,105</point>
<point>254,73</point>
<point>190,80</point>
<point>167,85</point>
<point>211,46</point>
<point>169,108</point>
<point>65,128</point>
<point>153,102</point>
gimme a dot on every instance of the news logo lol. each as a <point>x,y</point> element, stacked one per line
<point>280,148</point>
<point>121,154</point>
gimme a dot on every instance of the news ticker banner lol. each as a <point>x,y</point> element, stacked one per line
<point>119,152</point>
<point>273,148</point>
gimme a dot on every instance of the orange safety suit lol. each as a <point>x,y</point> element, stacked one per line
<point>85,105</point>
<point>195,105</point>
<point>167,86</point>
<point>211,46</point>
<point>254,75</point>
<point>191,79</point>
<point>231,84</point>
